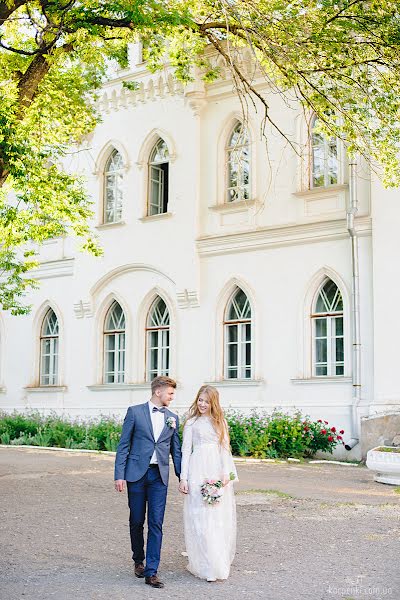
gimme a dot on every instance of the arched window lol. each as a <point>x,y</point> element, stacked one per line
<point>114,345</point>
<point>327,327</point>
<point>238,165</point>
<point>113,177</point>
<point>158,179</point>
<point>237,334</point>
<point>157,331</point>
<point>324,157</point>
<point>49,347</point>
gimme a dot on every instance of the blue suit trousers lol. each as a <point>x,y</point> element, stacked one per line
<point>148,492</point>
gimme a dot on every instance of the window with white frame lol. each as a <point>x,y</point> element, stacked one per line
<point>158,179</point>
<point>114,345</point>
<point>238,165</point>
<point>49,348</point>
<point>237,335</point>
<point>324,157</point>
<point>158,340</point>
<point>327,327</point>
<point>113,179</point>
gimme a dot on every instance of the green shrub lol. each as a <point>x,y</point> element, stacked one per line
<point>257,434</point>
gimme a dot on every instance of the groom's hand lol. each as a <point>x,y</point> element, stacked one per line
<point>119,485</point>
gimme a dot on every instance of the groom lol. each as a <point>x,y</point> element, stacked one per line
<point>149,435</point>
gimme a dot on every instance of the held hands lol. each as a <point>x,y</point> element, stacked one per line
<point>183,486</point>
<point>119,485</point>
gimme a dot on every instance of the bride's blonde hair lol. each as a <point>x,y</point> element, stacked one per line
<point>216,413</point>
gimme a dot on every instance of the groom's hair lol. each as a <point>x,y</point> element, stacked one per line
<point>162,381</point>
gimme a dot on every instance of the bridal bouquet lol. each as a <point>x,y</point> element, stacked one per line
<point>212,489</point>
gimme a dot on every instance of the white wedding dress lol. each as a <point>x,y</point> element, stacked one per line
<point>210,530</point>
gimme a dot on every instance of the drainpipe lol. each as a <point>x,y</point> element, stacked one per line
<point>352,211</point>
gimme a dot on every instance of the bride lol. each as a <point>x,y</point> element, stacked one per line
<point>210,530</point>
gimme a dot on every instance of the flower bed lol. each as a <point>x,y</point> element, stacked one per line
<point>260,435</point>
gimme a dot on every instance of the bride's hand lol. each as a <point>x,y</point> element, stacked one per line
<point>183,486</point>
<point>225,480</point>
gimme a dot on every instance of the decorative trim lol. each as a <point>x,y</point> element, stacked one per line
<point>234,207</point>
<point>187,299</point>
<point>313,380</point>
<point>3,389</point>
<point>275,236</point>
<point>110,225</point>
<point>53,268</point>
<point>83,309</point>
<point>158,217</point>
<point>237,383</point>
<point>46,389</point>
<point>122,270</point>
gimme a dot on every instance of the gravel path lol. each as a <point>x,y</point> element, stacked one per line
<point>64,534</point>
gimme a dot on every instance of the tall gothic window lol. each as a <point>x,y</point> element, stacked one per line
<point>158,339</point>
<point>114,345</point>
<point>49,348</point>
<point>238,164</point>
<point>324,158</point>
<point>113,177</point>
<point>327,327</point>
<point>158,179</point>
<point>237,334</point>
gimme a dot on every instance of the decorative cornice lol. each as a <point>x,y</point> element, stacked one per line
<point>53,268</point>
<point>122,270</point>
<point>275,236</point>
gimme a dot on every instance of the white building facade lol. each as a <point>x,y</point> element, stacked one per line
<point>227,260</point>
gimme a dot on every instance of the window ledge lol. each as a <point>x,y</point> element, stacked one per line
<point>166,215</point>
<point>312,380</point>
<point>236,383</point>
<point>107,387</point>
<point>232,207</point>
<point>322,192</point>
<point>110,225</point>
<point>46,388</point>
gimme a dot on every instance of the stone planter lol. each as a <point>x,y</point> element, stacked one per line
<point>385,461</point>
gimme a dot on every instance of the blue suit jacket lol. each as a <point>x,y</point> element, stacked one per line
<point>137,445</point>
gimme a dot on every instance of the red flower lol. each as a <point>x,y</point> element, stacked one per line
<point>330,438</point>
<point>333,429</point>
<point>339,437</point>
<point>323,431</point>
<point>326,422</point>
<point>306,428</point>
<point>319,420</point>
<point>341,431</point>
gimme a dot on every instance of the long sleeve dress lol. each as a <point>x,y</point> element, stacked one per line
<point>210,530</point>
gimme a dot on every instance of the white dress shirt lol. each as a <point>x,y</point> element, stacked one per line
<point>157,420</point>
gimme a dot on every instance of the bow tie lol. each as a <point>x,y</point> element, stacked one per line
<point>161,410</point>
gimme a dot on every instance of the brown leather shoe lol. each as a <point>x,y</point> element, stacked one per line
<point>139,568</point>
<point>154,581</point>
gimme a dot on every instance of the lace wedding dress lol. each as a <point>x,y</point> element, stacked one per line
<point>210,530</point>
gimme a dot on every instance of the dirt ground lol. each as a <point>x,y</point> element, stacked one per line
<point>305,532</point>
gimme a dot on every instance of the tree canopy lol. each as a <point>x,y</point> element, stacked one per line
<point>338,59</point>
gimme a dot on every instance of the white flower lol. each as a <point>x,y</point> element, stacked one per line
<point>171,422</point>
